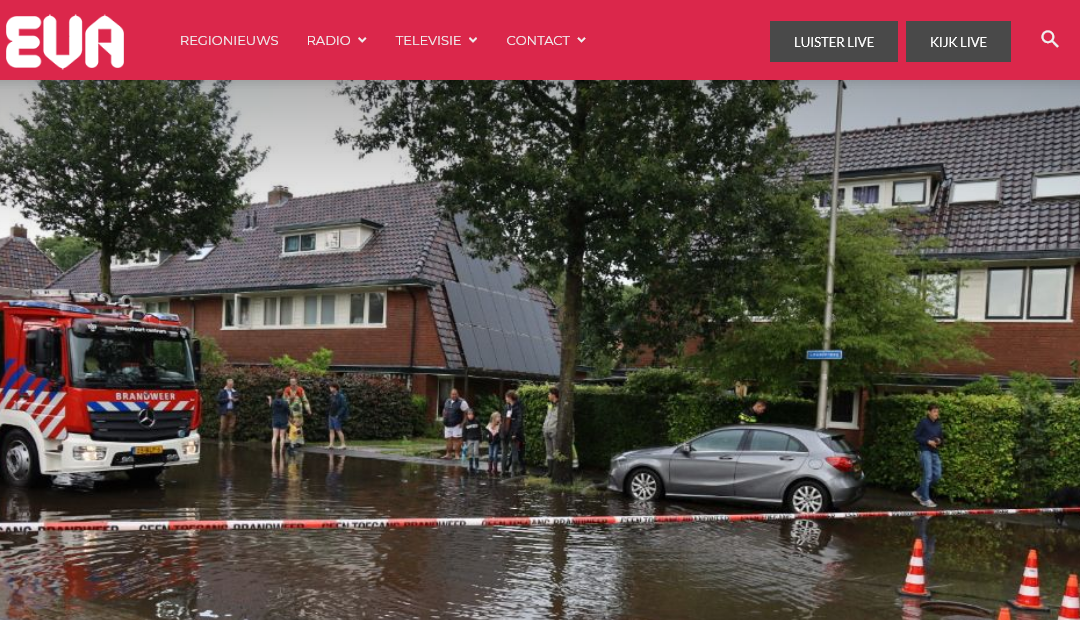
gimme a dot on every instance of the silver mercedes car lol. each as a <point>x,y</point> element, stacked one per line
<point>804,470</point>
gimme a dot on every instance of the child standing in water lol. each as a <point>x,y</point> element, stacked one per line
<point>494,442</point>
<point>471,434</point>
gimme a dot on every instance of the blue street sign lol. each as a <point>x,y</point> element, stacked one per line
<point>824,355</point>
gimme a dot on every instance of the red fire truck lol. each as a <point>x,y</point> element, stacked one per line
<point>89,385</point>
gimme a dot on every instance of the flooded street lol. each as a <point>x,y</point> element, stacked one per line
<point>846,569</point>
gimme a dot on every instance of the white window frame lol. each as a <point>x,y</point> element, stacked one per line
<point>971,182</point>
<point>1055,175</point>
<point>342,310</point>
<point>855,406</point>
<point>236,298</point>
<point>337,233</point>
<point>148,259</point>
<point>157,306</point>
<point>202,253</point>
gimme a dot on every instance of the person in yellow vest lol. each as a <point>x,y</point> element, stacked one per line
<point>750,415</point>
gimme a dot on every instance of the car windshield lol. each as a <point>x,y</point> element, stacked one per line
<point>130,360</point>
<point>837,443</point>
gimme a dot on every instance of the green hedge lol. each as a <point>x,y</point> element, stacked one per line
<point>378,408</point>
<point>691,415</point>
<point>978,456</point>
<point>609,421</point>
<point>1063,442</point>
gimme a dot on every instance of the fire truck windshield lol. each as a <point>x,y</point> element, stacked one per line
<point>117,360</point>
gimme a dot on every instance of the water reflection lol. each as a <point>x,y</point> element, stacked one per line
<point>790,569</point>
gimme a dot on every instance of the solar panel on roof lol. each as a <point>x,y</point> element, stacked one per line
<point>469,348</point>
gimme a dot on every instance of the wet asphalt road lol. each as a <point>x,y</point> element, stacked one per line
<point>783,570</point>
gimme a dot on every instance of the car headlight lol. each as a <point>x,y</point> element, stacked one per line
<point>88,453</point>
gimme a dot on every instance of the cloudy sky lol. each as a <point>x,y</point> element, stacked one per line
<point>297,120</point>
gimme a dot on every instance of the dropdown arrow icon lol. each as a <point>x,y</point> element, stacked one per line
<point>581,39</point>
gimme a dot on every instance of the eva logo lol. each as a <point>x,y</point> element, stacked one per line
<point>20,42</point>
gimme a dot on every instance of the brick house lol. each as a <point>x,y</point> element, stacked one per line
<point>23,266</point>
<point>376,275</point>
<point>1004,192</point>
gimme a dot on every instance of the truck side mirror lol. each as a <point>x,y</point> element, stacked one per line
<point>196,358</point>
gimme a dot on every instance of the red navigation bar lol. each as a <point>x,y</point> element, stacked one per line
<point>494,39</point>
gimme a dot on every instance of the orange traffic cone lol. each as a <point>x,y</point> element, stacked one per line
<point>915,582</point>
<point>1029,597</point>
<point>1070,603</point>
<point>1004,614</point>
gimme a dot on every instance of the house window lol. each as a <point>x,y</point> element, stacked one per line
<point>311,310</point>
<point>300,243</point>
<point>270,311</point>
<point>1046,299</point>
<point>826,198</point>
<point>156,307</point>
<point>244,313</point>
<point>909,192</point>
<point>201,253</point>
<point>974,191</point>
<point>331,240</point>
<point>366,308</point>
<point>376,308</point>
<point>229,315</point>
<point>141,259</point>
<point>844,410</point>
<point>356,308</point>
<point>1005,294</point>
<point>328,309</point>
<point>285,311</point>
<point>943,294</point>
<point>1054,185</point>
<point>866,194</point>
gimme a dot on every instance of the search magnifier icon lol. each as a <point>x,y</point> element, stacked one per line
<point>1048,38</point>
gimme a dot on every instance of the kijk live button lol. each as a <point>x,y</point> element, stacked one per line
<point>959,41</point>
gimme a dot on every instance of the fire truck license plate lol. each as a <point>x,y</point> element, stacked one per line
<point>139,450</point>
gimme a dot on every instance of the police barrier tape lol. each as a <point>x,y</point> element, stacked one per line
<point>375,524</point>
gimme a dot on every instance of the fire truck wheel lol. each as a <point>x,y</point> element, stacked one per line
<point>21,468</point>
<point>145,475</point>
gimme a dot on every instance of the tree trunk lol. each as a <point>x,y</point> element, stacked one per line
<point>105,272</point>
<point>562,469</point>
<point>576,222</point>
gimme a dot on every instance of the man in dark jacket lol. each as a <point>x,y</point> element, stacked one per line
<point>513,435</point>
<point>929,437</point>
<point>226,402</point>
<point>453,415</point>
<point>339,410</point>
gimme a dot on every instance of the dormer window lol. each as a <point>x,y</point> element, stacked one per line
<point>343,237</point>
<point>985,190</point>
<point>1056,185</point>
<point>300,243</point>
<point>909,192</point>
<point>142,259</point>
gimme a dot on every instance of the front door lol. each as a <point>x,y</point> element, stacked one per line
<point>769,462</point>
<point>709,467</point>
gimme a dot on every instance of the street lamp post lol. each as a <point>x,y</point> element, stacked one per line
<point>823,382</point>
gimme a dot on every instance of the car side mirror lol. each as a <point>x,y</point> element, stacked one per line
<point>685,448</point>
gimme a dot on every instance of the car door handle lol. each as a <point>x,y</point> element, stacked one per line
<point>787,458</point>
<point>726,458</point>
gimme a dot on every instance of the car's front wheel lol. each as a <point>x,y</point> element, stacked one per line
<point>807,496</point>
<point>644,485</point>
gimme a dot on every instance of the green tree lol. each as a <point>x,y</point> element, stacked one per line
<point>600,183</point>
<point>65,251</point>
<point>884,312</point>
<point>131,165</point>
